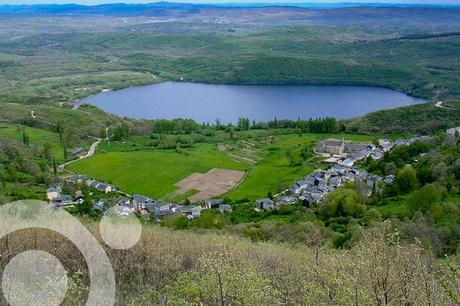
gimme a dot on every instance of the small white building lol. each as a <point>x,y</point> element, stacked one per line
<point>105,187</point>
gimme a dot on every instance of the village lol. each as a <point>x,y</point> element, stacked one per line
<point>148,208</point>
<point>340,156</point>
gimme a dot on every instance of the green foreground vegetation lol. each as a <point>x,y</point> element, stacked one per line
<point>178,268</point>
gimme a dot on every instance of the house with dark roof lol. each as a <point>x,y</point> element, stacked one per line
<point>191,211</point>
<point>141,201</point>
<point>63,200</point>
<point>306,200</point>
<point>103,187</point>
<point>264,204</point>
<point>285,200</point>
<point>297,187</point>
<point>76,179</point>
<point>53,192</point>
<point>389,179</point>
<point>92,183</point>
<point>213,203</point>
<point>100,206</point>
<point>225,208</point>
<point>77,152</point>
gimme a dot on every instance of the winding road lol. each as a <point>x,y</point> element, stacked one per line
<point>90,153</point>
<point>91,150</point>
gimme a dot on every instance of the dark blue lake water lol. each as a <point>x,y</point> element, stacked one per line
<point>206,103</point>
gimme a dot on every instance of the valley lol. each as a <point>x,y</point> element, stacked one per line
<point>268,155</point>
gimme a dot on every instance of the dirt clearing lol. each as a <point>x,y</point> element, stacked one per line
<point>213,183</point>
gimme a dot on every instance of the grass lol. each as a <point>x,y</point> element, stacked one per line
<point>277,170</point>
<point>37,137</point>
<point>178,198</point>
<point>137,168</point>
<point>153,173</point>
<point>397,209</point>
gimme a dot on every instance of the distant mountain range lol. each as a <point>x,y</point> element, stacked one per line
<point>161,8</point>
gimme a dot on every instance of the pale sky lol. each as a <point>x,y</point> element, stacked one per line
<point>92,2</point>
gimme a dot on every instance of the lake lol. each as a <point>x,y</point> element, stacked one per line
<point>207,102</point>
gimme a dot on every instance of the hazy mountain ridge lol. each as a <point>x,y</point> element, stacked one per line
<point>159,8</point>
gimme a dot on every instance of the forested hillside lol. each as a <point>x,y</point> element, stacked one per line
<point>416,119</point>
<point>41,62</point>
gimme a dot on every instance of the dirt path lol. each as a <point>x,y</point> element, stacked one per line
<point>440,105</point>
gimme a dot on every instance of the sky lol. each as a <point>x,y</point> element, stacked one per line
<point>92,2</point>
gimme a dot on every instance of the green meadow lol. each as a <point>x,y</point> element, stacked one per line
<point>279,161</point>
<point>284,164</point>
<point>38,137</point>
<point>153,173</point>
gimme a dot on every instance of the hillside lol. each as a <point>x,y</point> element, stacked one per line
<point>178,268</point>
<point>61,58</point>
<point>416,119</point>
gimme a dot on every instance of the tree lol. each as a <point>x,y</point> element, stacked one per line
<point>406,179</point>
<point>218,124</point>
<point>178,222</point>
<point>25,138</point>
<point>121,131</point>
<point>270,195</point>
<point>243,124</point>
<point>48,151</point>
<point>55,168</point>
<point>371,216</point>
<point>208,219</point>
<point>424,199</point>
<point>362,190</point>
<point>60,130</point>
<point>342,202</point>
<point>12,172</point>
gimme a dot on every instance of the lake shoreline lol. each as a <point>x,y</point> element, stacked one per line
<point>357,100</point>
<point>159,80</point>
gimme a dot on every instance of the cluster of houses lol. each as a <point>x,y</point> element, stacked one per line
<point>148,208</point>
<point>58,199</point>
<point>83,180</point>
<point>313,188</point>
<point>347,153</point>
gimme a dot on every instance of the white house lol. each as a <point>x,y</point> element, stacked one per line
<point>105,187</point>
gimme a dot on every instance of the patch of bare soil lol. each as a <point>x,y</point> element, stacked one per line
<point>211,184</point>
